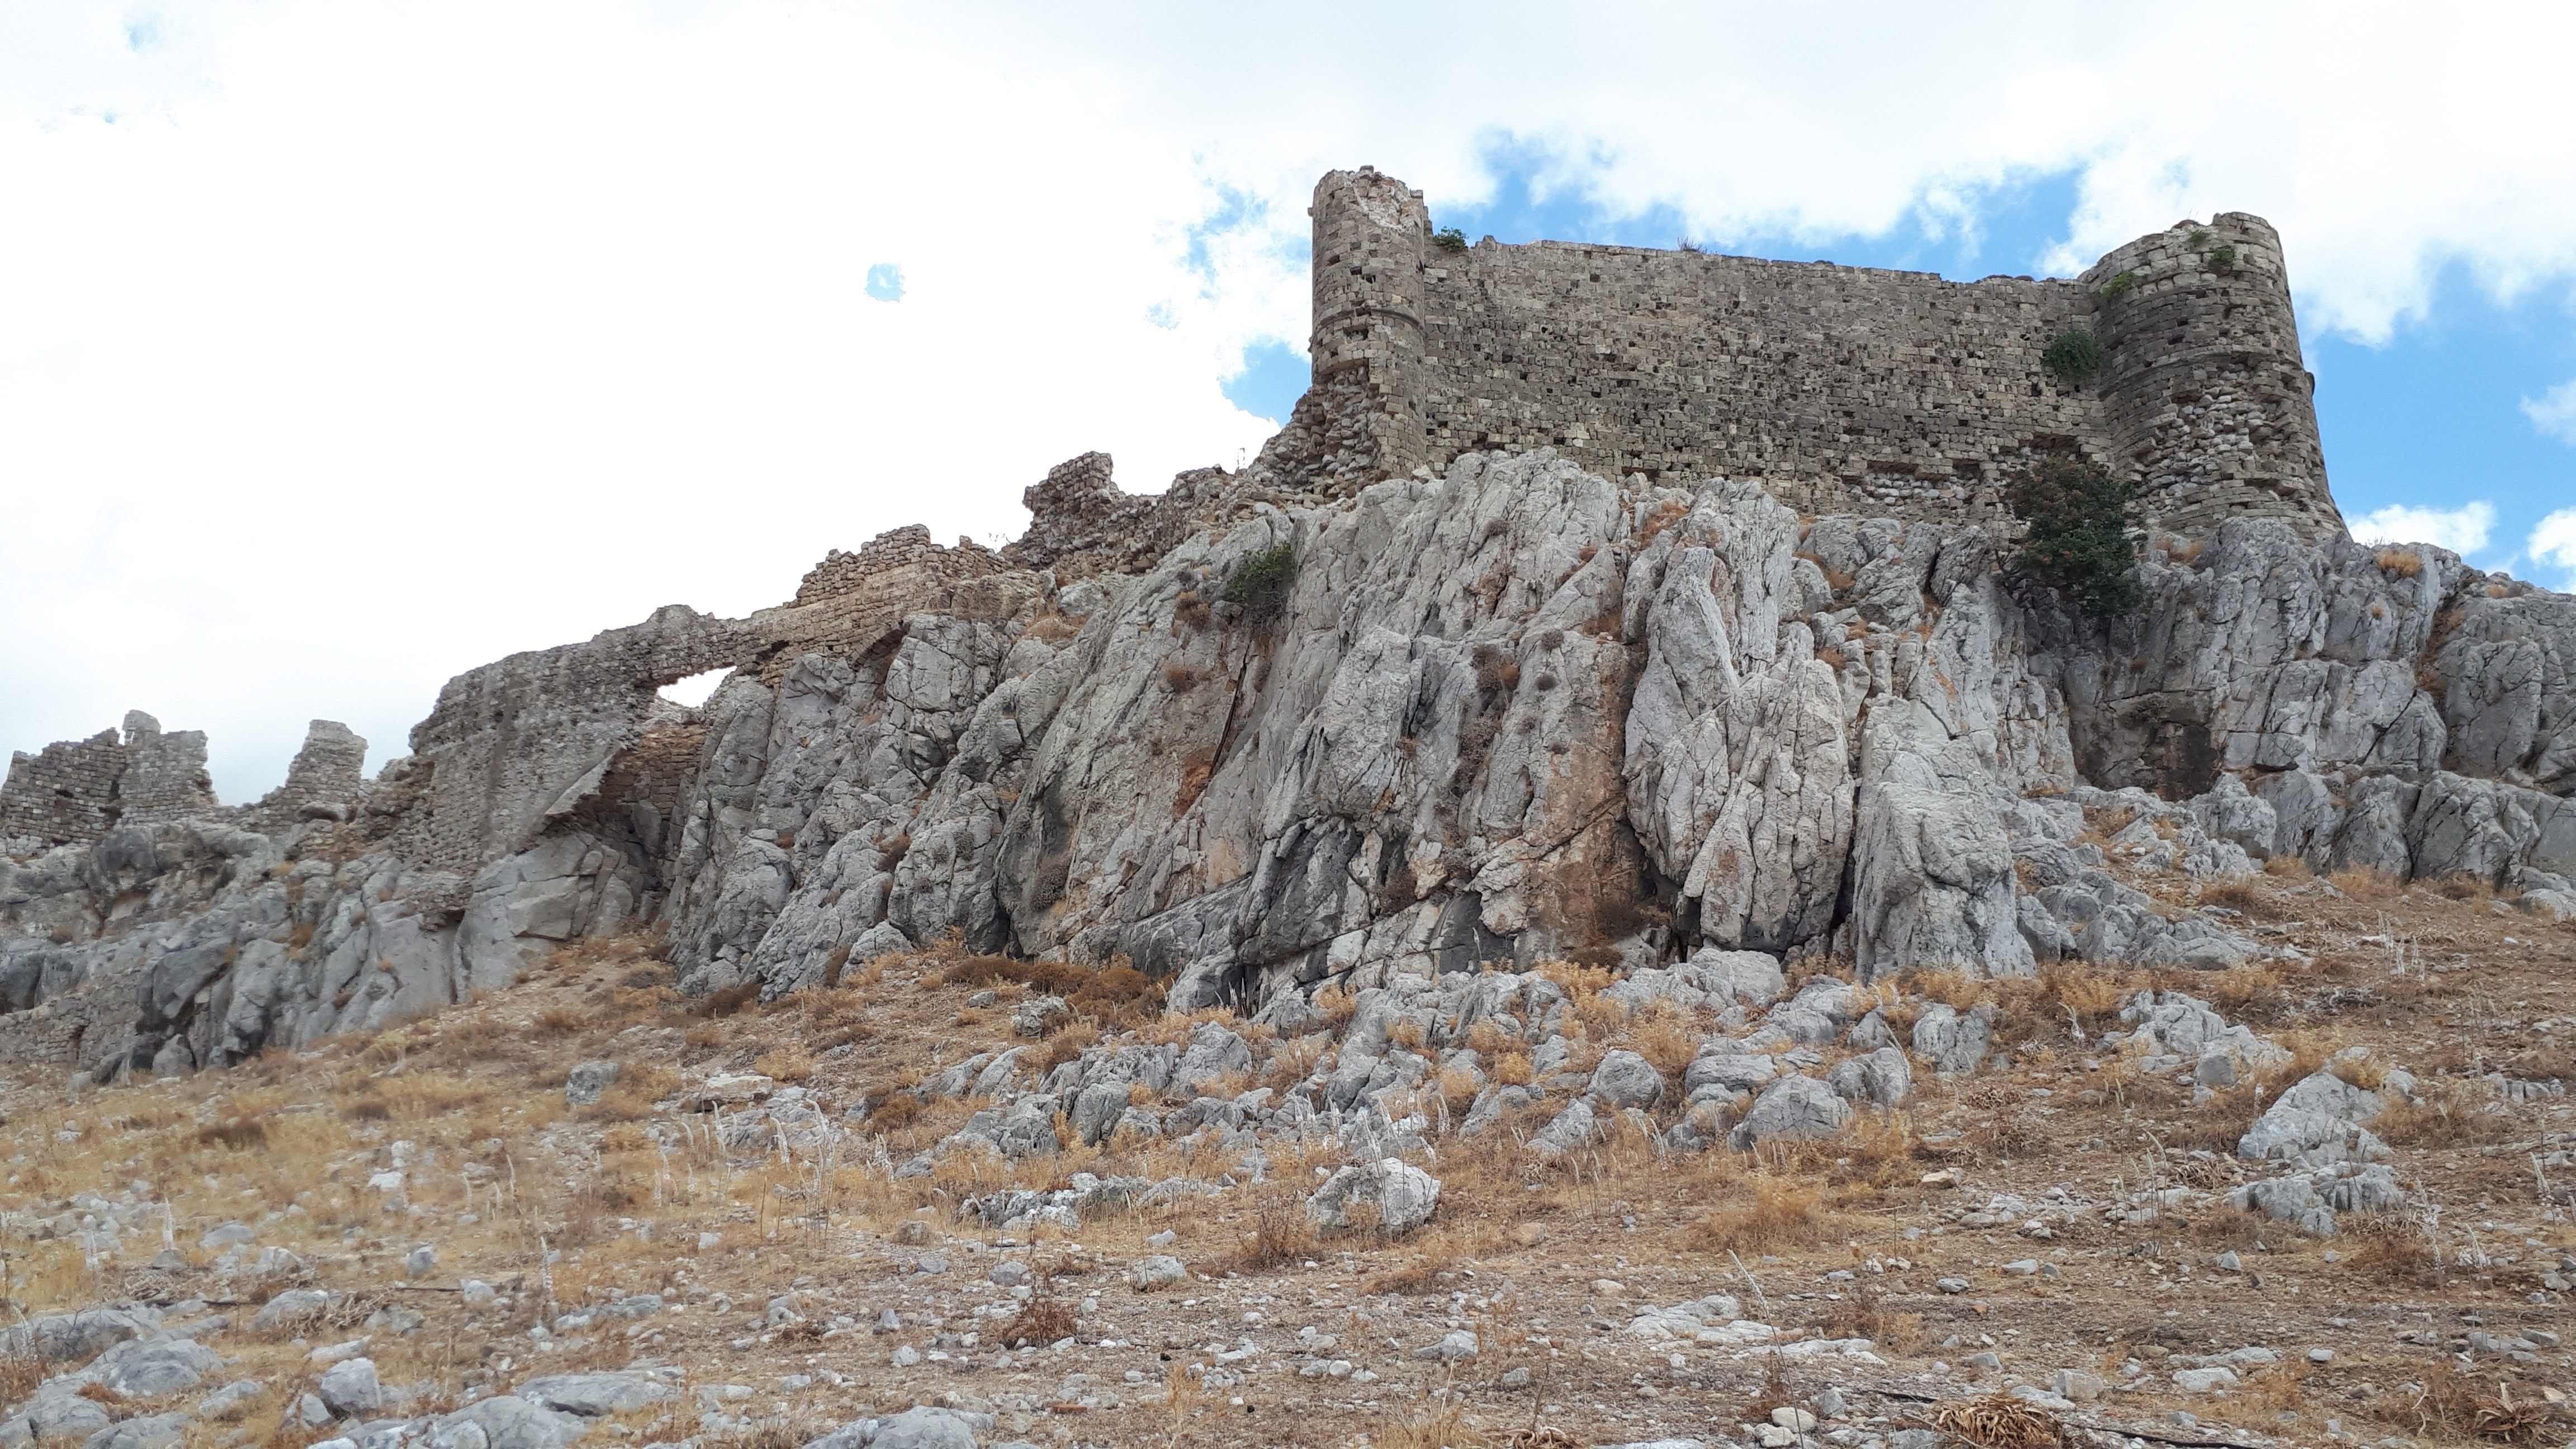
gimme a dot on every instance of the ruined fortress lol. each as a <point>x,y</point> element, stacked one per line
<point>1842,388</point>
<point>1637,603</point>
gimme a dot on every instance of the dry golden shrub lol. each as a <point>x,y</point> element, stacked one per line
<point>2361,1069</point>
<point>19,1375</point>
<point>2391,1248</point>
<point>2255,989</point>
<point>1666,1038</point>
<point>1419,1273</point>
<point>2450,1113</point>
<point>236,1133</point>
<point>1446,1427</point>
<point>2236,892</point>
<point>1864,1313</point>
<point>1513,1069</point>
<point>789,1063</point>
<point>2456,1406</point>
<point>1042,1320</point>
<point>2403,562</point>
<point>1997,1421</point>
<point>1954,989</point>
<point>1279,1231</point>
<point>2363,883</point>
<point>2288,867</point>
<point>561,1021</point>
<point>1774,1212</point>
<point>1580,983</point>
<point>727,1000</point>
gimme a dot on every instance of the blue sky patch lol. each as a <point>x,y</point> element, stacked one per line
<point>1274,376</point>
<point>885,282</point>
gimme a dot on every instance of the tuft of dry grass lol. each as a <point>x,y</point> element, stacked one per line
<point>2405,563</point>
<point>19,1375</point>
<point>1997,1421</point>
<point>1280,1231</point>
<point>1666,1039</point>
<point>240,1134</point>
<point>2452,1113</point>
<point>1041,1321</point>
<point>2288,867</point>
<point>2236,892</point>
<point>1433,1428</point>
<point>2391,1249</point>
<point>2452,1405</point>
<point>2363,883</point>
<point>562,1021</point>
<point>1775,1213</point>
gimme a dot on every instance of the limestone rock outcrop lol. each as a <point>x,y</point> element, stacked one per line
<point>1514,712</point>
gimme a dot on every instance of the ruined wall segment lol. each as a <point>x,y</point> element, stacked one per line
<point>1842,388</point>
<point>75,791</point>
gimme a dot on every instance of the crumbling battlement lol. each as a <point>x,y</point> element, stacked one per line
<point>76,791</point>
<point>1843,388</point>
<point>901,558</point>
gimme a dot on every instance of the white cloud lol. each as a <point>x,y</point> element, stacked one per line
<point>345,344</point>
<point>2554,542</point>
<point>2554,412</point>
<point>2462,530</point>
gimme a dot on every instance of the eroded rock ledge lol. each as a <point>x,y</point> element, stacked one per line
<point>1517,711</point>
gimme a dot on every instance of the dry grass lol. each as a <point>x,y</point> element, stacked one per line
<point>237,1133</point>
<point>2288,867</point>
<point>2362,883</point>
<point>2393,1250</point>
<point>19,1375</point>
<point>1042,1320</point>
<point>1280,1232</point>
<point>2450,1113</point>
<point>2453,1405</point>
<point>1997,1421</point>
<point>1446,1427</point>
<point>2405,563</point>
<point>1774,1213</point>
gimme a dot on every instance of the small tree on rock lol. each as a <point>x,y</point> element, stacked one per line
<point>2081,534</point>
<point>1259,584</point>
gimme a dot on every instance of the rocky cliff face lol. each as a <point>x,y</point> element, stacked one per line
<point>1518,711</point>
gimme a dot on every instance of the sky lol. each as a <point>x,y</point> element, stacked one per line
<point>345,344</point>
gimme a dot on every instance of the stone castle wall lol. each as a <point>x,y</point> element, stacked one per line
<point>76,791</point>
<point>1842,387</point>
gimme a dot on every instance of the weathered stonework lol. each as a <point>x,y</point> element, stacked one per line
<point>1840,388</point>
<point>77,790</point>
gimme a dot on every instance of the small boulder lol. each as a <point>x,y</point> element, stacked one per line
<point>1159,1270</point>
<point>926,1428</point>
<point>1404,1195</point>
<point>1459,1345</point>
<point>587,1080</point>
<point>1881,1078</point>
<point>1793,1107</point>
<point>1625,1079</point>
<point>349,1388</point>
<point>1039,1015</point>
<point>148,1431</point>
<point>1573,1130</point>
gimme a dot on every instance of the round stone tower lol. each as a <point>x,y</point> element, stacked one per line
<point>1367,346</point>
<point>2203,389</point>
